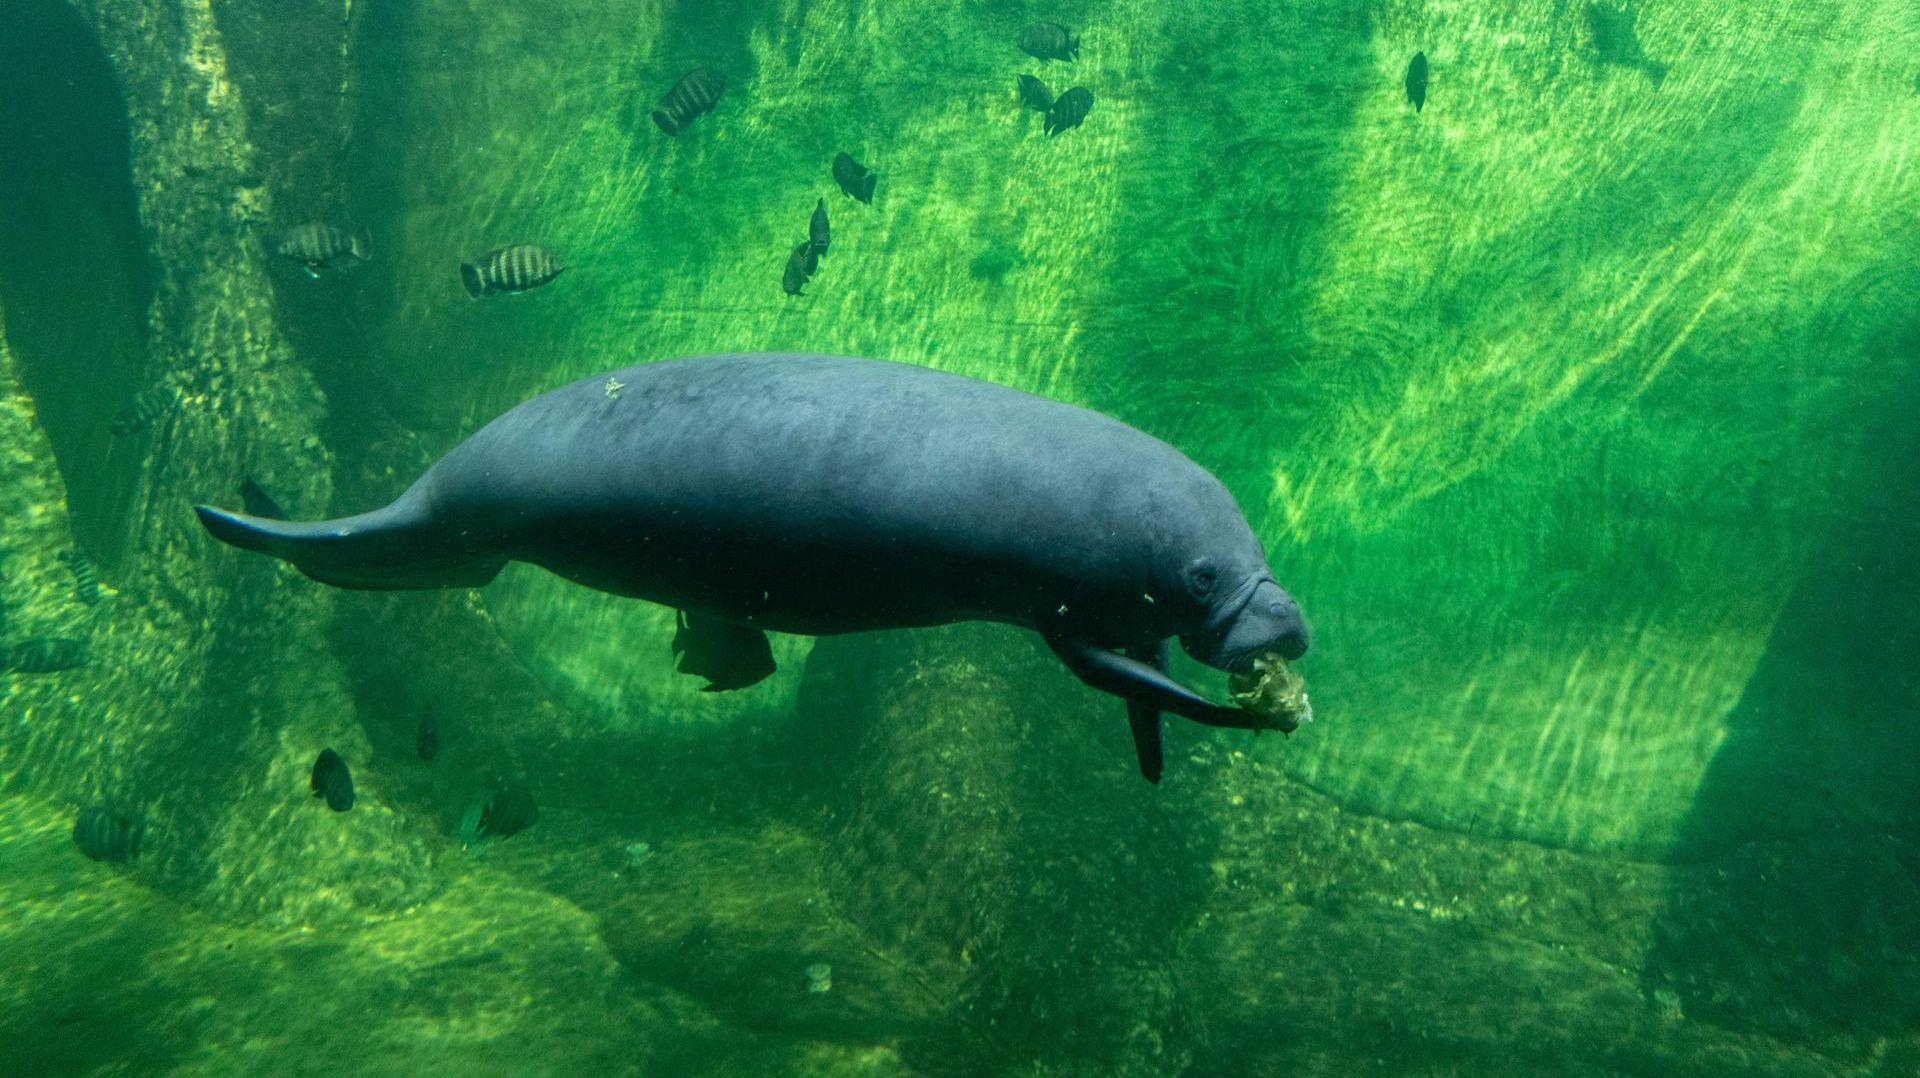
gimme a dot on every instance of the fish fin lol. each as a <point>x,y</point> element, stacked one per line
<point>729,656</point>
<point>313,271</point>
<point>390,549</point>
<point>470,276</point>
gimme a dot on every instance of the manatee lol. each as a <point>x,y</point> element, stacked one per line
<point>817,495</point>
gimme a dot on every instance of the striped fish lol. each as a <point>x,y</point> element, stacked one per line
<point>146,406</point>
<point>86,582</point>
<point>1049,41</point>
<point>1071,108</point>
<point>1034,94</point>
<point>105,835</point>
<point>510,269</point>
<point>854,178</point>
<point>318,245</point>
<point>499,814</point>
<point>801,265</point>
<point>331,780</point>
<point>508,812</point>
<point>43,655</point>
<point>696,92</point>
<point>818,233</point>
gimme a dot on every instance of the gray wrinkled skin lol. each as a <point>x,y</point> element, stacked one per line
<point>825,494</point>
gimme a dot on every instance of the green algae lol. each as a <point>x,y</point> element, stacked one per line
<point>1573,409</point>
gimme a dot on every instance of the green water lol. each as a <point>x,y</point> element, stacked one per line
<point>1575,408</point>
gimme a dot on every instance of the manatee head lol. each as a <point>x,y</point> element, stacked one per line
<point>1248,615</point>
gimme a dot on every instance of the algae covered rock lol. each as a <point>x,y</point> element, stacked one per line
<point>990,830</point>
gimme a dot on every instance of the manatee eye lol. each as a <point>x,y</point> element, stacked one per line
<point>1200,579</point>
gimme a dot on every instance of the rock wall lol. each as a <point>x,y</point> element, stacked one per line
<point>210,686</point>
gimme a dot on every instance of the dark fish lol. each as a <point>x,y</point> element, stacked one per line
<point>1417,81</point>
<point>333,781</point>
<point>1049,41</point>
<point>729,656</point>
<point>1071,108</point>
<point>854,179</point>
<point>801,265</point>
<point>258,502</point>
<point>1618,42</point>
<point>147,406</point>
<point>105,835</point>
<point>426,740</point>
<point>510,269</point>
<point>1034,93</point>
<point>696,92</point>
<point>508,812</point>
<point>319,246</point>
<point>817,233</point>
<point>86,582</point>
<point>44,655</point>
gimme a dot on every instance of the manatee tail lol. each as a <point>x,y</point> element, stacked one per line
<point>395,548</point>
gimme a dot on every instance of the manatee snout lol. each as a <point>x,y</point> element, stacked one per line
<point>1268,623</point>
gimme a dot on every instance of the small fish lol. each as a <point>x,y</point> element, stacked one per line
<point>510,269</point>
<point>426,739</point>
<point>854,179</point>
<point>1618,42</point>
<point>500,814</point>
<point>508,812</point>
<point>1049,41</point>
<point>318,246</point>
<point>1034,93</point>
<point>333,781</point>
<point>86,582</point>
<point>105,835</point>
<point>696,93</point>
<point>1071,108</point>
<point>1417,81</point>
<point>44,655</point>
<point>146,407</point>
<point>817,232</point>
<point>257,502</point>
<point>801,265</point>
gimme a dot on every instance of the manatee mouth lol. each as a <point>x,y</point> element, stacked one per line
<point>1266,622</point>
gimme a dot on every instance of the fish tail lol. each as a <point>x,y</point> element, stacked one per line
<point>361,244</point>
<point>867,183</point>
<point>470,276</point>
<point>395,548</point>
<point>1656,73</point>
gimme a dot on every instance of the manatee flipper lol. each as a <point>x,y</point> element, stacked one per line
<point>1136,682</point>
<point>395,548</point>
<point>1145,719</point>
<point>729,656</point>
